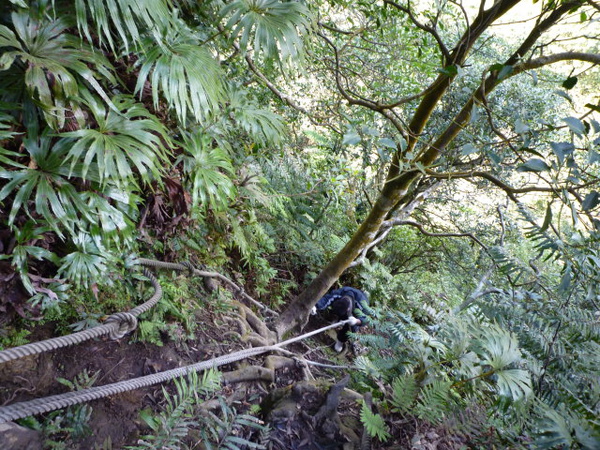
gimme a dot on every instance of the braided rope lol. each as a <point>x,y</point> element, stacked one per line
<point>116,326</point>
<point>45,404</point>
<point>186,265</point>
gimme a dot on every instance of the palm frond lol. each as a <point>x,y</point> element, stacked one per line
<point>55,65</point>
<point>127,19</point>
<point>46,183</point>
<point>264,126</point>
<point>184,72</point>
<point>123,141</point>
<point>273,28</point>
<point>209,171</point>
<point>86,265</point>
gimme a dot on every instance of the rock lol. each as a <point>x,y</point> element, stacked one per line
<point>16,437</point>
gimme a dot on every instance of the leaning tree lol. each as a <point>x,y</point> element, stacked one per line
<point>431,125</point>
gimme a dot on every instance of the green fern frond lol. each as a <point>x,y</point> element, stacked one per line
<point>374,423</point>
<point>173,424</point>
<point>435,401</point>
<point>404,392</point>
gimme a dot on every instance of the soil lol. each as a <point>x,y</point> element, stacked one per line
<point>300,405</point>
<point>116,419</point>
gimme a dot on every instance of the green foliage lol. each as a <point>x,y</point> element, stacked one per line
<point>269,27</point>
<point>374,423</point>
<point>264,126</point>
<point>209,170</point>
<point>181,415</point>
<point>404,392</point>
<point>440,373</point>
<point>126,20</point>
<point>126,138</point>
<point>53,63</point>
<point>172,317</point>
<point>46,183</point>
<point>184,72</point>
<point>88,264</point>
<point>13,337</point>
<point>64,429</point>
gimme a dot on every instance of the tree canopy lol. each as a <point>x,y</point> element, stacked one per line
<point>442,155</point>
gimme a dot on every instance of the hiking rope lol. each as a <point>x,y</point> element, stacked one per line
<point>119,324</point>
<point>186,265</point>
<point>116,326</point>
<point>51,403</point>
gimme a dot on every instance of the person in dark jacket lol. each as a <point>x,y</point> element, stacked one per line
<point>345,303</point>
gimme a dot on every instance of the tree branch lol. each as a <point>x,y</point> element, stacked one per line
<point>432,31</point>
<point>536,63</point>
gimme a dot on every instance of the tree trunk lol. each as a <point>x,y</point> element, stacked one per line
<point>398,183</point>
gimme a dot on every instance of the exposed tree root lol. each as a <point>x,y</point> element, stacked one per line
<point>249,373</point>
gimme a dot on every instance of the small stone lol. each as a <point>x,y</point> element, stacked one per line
<point>16,437</point>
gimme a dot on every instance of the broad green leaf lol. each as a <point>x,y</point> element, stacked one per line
<point>467,149</point>
<point>591,200</point>
<point>521,127</point>
<point>565,281</point>
<point>351,138</point>
<point>533,165</point>
<point>547,218</point>
<point>449,71</point>
<point>561,150</point>
<point>575,125</point>
<point>564,95</point>
<point>387,142</point>
<point>505,72</point>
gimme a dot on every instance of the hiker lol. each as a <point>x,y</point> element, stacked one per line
<point>343,303</point>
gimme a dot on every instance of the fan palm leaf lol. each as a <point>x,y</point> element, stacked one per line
<point>127,19</point>
<point>55,65</point>
<point>208,170</point>
<point>264,126</point>
<point>45,182</point>
<point>130,139</point>
<point>185,73</point>
<point>271,27</point>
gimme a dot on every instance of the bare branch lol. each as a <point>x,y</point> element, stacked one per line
<point>420,227</point>
<point>536,63</point>
<point>432,31</point>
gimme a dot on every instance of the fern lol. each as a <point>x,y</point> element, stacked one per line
<point>435,401</point>
<point>173,424</point>
<point>374,423</point>
<point>225,430</point>
<point>404,393</point>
